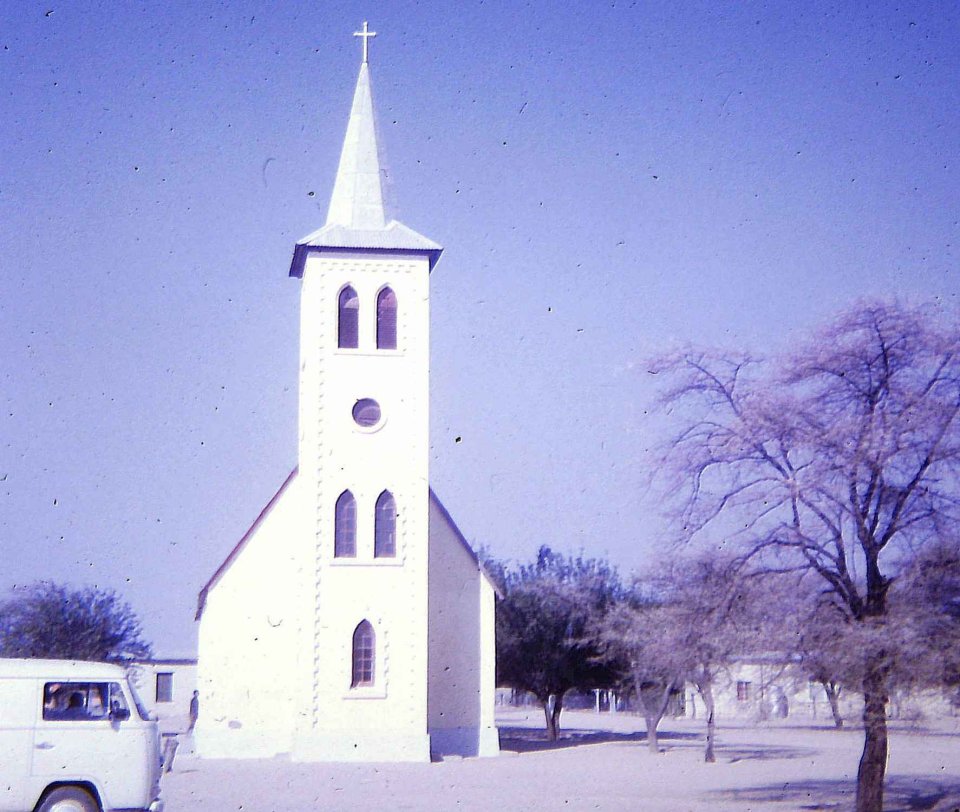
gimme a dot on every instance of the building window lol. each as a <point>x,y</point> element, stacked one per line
<point>348,322</point>
<point>743,691</point>
<point>366,412</point>
<point>345,530</point>
<point>385,527</point>
<point>165,686</point>
<point>364,645</point>
<point>387,320</point>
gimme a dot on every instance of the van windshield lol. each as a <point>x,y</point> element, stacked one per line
<point>141,710</point>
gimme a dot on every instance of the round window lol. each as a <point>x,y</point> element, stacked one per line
<point>366,412</point>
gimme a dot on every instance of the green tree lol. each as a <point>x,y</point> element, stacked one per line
<point>548,620</point>
<point>48,620</point>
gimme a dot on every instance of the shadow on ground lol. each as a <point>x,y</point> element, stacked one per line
<point>759,752</point>
<point>901,794</point>
<point>893,726</point>
<point>532,740</point>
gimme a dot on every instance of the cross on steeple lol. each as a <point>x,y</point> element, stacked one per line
<point>365,35</point>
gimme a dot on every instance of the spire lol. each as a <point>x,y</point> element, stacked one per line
<point>357,199</point>
<point>357,217</point>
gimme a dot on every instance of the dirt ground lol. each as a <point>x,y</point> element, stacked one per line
<point>601,763</point>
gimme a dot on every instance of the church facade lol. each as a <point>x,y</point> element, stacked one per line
<point>353,621</point>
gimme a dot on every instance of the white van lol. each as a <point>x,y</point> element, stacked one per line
<point>74,738</point>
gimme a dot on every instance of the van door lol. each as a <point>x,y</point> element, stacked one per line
<point>78,739</point>
<point>18,714</point>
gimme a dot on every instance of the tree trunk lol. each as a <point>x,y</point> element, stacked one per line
<point>552,705</point>
<point>654,707</point>
<point>653,742</point>
<point>555,715</point>
<point>550,718</point>
<point>832,690</point>
<point>706,691</point>
<point>873,762</point>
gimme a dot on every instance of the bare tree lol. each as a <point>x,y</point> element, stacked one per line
<point>714,616</point>
<point>926,600</point>
<point>840,460</point>
<point>811,633</point>
<point>636,637</point>
<point>824,653</point>
<point>703,615</point>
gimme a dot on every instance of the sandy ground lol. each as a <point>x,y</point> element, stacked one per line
<point>601,763</point>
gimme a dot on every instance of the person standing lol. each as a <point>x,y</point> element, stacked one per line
<point>194,711</point>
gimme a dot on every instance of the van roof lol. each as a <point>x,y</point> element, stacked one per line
<point>59,669</point>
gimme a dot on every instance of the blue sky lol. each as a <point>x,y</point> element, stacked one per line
<point>608,180</point>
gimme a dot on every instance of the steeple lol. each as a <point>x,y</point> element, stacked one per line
<point>357,217</point>
<point>357,200</point>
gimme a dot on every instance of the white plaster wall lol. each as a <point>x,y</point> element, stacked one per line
<point>920,706</point>
<point>173,716</point>
<point>489,735</point>
<point>250,640</point>
<point>769,681</point>
<point>461,687</point>
<point>387,721</point>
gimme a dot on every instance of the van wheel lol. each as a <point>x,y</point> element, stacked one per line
<point>68,799</point>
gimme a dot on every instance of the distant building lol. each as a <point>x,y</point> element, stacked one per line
<point>166,687</point>
<point>769,687</point>
<point>353,621</point>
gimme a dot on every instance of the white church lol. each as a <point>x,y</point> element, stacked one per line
<point>353,622</point>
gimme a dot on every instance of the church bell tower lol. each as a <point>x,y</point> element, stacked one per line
<point>363,462</point>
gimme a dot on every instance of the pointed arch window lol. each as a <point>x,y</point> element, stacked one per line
<point>345,527</point>
<point>348,320</point>
<point>385,527</point>
<point>364,655</point>
<point>387,320</point>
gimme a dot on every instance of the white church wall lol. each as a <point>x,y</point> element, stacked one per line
<point>249,642</point>
<point>386,721</point>
<point>461,678</point>
<point>489,735</point>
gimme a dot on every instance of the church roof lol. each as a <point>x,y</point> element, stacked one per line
<point>357,218</point>
<point>232,556</point>
<point>464,543</point>
<point>240,545</point>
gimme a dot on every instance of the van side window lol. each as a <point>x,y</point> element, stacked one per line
<point>64,701</point>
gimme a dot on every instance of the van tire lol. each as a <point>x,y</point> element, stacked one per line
<point>68,799</point>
